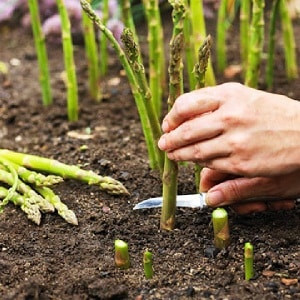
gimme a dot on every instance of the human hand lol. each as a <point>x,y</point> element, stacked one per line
<point>234,129</point>
<point>225,189</point>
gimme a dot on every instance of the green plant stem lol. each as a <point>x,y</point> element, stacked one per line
<point>155,52</point>
<point>148,264</point>
<point>248,261</point>
<point>40,46</point>
<point>271,43</point>
<point>199,33</point>
<point>199,71</point>
<point>244,32</point>
<point>167,221</point>
<point>139,99</point>
<point>222,27</point>
<point>92,57</point>
<point>71,81</point>
<point>190,54</point>
<point>221,228</point>
<point>122,259</point>
<point>103,41</point>
<point>289,41</point>
<point>52,166</point>
<point>132,51</point>
<point>256,43</point>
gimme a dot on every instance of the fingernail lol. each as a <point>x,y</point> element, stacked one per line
<point>162,143</point>
<point>165,126</point>
<point>214,198</point>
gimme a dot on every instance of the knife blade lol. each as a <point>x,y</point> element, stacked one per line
<point>195,201</point>
<point>192,201</point>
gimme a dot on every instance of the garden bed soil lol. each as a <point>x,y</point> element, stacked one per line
<point>59,261</point>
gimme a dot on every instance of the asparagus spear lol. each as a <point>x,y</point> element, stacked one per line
<point>32,210</point>
<point>256,43</point>
<point>170,174</point>
<point>92,57</point>
<point>61,208</point>
<point>248,261</point>
<point>121,254</point>
<point>200,70</point>
<point>31,196</point>
<point>72,93</point>
<point>40,46</point>
<point>52,166</point>
<point>221,228</point>
<point>148,264</point>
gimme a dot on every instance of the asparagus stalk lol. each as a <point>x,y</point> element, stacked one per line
<point>31,210</point>
<point>6,165</point>
<point>139,99</point>
<point>248,261</point>
<point>30,195</point>
<point>244,31</point>
<point>170,173</point>
<point>37,179</point>
<point>61,208</point>
<point>271,44</point>
<point>40,46</point>
<point>222,26</point>
<point>199,32</point>
<point>155,52</point>
<point>199,71</point>
<point>72,89</point>
<point>256,43</point>
<point>148,264</point>
<point>190,54</point>
<point>103,41</point>
<point>121,254</point>
<point>132,52</point>
<point>289,41</point>
<point>221,228</point>
<point>92,57</point>
<point>52,166</point>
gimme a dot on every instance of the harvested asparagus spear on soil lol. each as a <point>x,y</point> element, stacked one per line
<point>30,189</point>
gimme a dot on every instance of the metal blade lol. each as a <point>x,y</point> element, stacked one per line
<point>192,201</point>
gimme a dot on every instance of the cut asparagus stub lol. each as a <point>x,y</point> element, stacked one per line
<point>52,166</point>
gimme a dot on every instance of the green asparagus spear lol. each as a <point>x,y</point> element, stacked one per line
<point>40,46</point>
<point>32,210</point>
<point>52,166</point>
<point>148,264</point>
<point>248,261</point>
<point>121,254</point>
<point>31,196</point>
<point>221,228</point>
<point>170,173</point>
<point>72,93</point>
<point>61,208</point>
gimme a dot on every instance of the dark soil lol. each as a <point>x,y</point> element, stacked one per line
<point>59,261</point>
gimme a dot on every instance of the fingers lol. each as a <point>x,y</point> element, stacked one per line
<point>241,189</point>
<point>190,133</point>
<point>253,207</point>
<point>210,178</point>
<point>189,105</point>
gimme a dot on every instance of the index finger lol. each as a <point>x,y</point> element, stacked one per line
<point>189,105</point>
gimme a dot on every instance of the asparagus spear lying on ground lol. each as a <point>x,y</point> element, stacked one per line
<point>24,185</point>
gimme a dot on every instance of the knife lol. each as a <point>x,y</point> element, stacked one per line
<point>192,201</point>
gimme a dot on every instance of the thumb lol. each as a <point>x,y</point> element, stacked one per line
<point>239,189</point>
